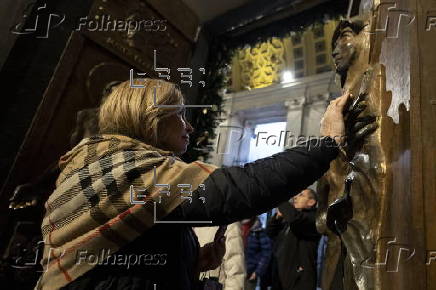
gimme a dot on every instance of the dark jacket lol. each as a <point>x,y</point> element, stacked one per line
<point>258,251</point>
<point>231,194</point>
<point>295,248</point>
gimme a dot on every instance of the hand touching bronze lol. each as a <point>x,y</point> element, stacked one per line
<point>332,123</point>
<point>211,254</point>
<point>344,122</point>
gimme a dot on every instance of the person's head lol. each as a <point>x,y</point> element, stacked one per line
<point>306,199</point>
<point>344,44</point>
<point>134,112</point>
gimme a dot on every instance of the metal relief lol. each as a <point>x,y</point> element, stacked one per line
<point>352,191</point>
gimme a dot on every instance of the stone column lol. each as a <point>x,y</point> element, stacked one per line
<point>314,110</point>
<point>244,144</point>
<point>229,134</point>
<point>294,121</point>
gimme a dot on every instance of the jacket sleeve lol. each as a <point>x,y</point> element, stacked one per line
<point>234,262</point>
<point>275,225</point>
<point>302,223</point>
<point>235,193</point>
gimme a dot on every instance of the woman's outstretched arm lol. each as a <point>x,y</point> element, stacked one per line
<point>235,193</point>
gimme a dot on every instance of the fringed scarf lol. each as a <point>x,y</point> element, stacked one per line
<point>96,205</point>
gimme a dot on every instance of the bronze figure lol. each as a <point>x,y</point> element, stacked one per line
<point>351,191</point>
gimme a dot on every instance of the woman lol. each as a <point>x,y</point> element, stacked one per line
<point>117,219</point>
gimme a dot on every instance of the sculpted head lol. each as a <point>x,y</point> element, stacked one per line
<point>346,45</point>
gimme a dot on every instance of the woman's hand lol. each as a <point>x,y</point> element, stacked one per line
<point>211,254</point>
<point>332,123</point>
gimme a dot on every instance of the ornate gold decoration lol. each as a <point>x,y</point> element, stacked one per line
<point>260,65</point>
<point>304,53</point>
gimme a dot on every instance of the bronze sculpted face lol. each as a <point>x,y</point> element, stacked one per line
<point>345,45</point>
<point>345,50</point>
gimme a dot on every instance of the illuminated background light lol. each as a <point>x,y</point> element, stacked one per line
<point>287,76</point>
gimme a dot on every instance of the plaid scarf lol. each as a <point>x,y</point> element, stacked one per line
<point>91,208</point>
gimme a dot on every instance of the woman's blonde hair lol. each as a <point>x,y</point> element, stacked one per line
<point>134,112</point>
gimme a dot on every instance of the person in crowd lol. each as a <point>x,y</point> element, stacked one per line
<point>246,225</point>
<point>257,255</point>
<point>124,193</point>
<point>231,272</point>
<point>295,237</point>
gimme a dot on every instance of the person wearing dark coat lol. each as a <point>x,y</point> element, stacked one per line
<point>232,194</point>
<point>257,254</point>
<point>295,243</point>
<point>172,256</point>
